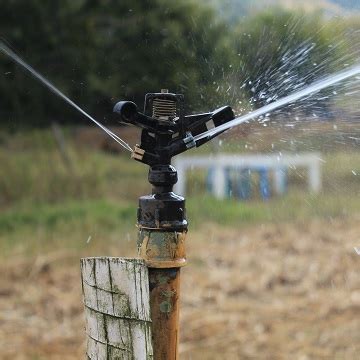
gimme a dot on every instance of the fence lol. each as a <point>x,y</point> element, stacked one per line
<point>220,166</point>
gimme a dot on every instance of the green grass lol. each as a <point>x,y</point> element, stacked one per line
<point>296,206</point>
<point>67,225</point>
<point>52,216</point>
<point>39,175</point>
<point>29,229</point>
<point>46,206</point>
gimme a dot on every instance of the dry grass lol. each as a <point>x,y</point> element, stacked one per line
<point>285,291</point>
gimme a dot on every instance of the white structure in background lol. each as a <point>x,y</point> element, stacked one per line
<point>276,163</point>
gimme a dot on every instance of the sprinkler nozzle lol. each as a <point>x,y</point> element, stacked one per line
<point>127,110</point>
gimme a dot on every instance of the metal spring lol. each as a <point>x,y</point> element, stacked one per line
<point>164,109</point>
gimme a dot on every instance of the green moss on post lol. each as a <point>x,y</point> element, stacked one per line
<point>117,308</point>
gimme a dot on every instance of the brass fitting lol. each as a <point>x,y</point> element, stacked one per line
<point>162,249</point>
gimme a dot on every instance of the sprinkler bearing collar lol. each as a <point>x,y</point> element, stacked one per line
<point>162,210</point>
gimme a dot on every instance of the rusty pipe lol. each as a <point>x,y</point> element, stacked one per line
<point>164,253</point>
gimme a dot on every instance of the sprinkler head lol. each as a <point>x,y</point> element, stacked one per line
<point>166,130</point>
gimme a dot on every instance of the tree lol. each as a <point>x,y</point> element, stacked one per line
<point>157,44</point>
<point>100,51</point>
<point>56,38</point>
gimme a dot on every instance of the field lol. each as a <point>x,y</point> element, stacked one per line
<point>266,280</point>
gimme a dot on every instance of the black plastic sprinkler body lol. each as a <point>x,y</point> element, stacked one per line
<point>161,218</point>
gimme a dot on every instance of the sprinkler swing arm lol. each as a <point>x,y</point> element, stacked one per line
<point>161,216</point>
<point>166,130</point>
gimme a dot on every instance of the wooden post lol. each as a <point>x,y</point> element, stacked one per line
<point>117,308</point>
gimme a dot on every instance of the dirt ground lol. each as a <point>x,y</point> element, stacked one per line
<point>276,291</point>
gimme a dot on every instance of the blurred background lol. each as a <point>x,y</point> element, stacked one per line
<point>273,252</point>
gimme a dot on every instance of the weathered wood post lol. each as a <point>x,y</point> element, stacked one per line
<point>117,308</point>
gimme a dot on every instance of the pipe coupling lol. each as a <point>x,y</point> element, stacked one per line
<point>162,249</point>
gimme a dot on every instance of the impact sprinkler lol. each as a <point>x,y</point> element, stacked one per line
<point>161,217</point>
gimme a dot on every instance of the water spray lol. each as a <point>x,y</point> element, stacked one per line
<point>161,218</point>
<point>6,50</point>
<point>307,91</point>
